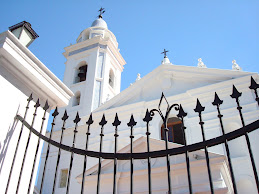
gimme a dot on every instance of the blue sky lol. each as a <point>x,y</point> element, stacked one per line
<point>217,31</point>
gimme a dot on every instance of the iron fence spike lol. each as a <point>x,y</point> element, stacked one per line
<point>116,122</point>
<point>55,113</point>
<point>30,98</point>
<point>103,121</point>
<point>46,106</point>
<point>181,113</point>
<point>65,116</point>
<point>235,94</point>
<point>132,122</point>
<point>253,85</point>
<point>90,120</point>
<point>199,108</point>
<point>37,103</point>
<point>147,116</point>
<point>77,119</point>
<point>217,100</point>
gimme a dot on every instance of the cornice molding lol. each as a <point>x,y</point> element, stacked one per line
<point>31,71</point>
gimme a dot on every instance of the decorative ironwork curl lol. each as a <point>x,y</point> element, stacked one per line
<point>169,108</point>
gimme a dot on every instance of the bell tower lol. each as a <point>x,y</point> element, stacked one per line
<point>93,67</point>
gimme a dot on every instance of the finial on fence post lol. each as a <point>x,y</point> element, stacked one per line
<point>77,119</point>
<point>199,108</point>
<point>90,120</point>
<point>235,94</point>
<point>217,101</point>
<point>46,106</point>
<point>30,98</point>
<point>181,113</point>
<point>65,116</point>
<point>254,87</point>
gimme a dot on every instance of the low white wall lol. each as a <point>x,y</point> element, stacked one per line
<point>13,101</point>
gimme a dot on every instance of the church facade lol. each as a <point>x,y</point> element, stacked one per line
<point>93,72</point>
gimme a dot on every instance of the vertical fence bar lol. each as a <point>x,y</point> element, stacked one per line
<point>89,122</point>
<point>254,87</point>
<point>116,123</point>
<point>64,118</point>
<point>165,130</point>
<point>147,119</point>
<point>181,115</point>
<point>27,144</point>
<point>167,161</point>
<point>217,102</point>
<point>17,145</point>
<point>45,108</point>
<point>131,124</point>
<point>102,123</point>
<point>55,113</point>
<point>200,109</point>
<point>235,94</point>
<point>76,121</point>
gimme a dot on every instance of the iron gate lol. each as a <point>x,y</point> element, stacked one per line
<point>167,152</point>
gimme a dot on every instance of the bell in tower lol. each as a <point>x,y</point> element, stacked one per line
<point>82,73</point>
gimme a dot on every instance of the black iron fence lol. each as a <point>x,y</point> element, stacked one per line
<point>115,156</point>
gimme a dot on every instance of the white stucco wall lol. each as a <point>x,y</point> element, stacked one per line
<point>21,74</point>
<point>13,102</point>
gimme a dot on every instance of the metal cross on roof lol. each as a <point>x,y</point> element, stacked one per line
<point>165,51</point>
<point>101,10</point>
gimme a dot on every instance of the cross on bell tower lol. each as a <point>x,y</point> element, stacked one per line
<point>101,10</point>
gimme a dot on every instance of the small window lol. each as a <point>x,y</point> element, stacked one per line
<point>76,100</point>
<point>111,79</point>
<point>81,73</point>
<point>175,133</point>
<point>63,178</point>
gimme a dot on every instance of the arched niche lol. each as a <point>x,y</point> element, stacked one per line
<point>111,78</point>
<point>76,99</point>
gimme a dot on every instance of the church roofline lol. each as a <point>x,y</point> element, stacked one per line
<point>180,72</point>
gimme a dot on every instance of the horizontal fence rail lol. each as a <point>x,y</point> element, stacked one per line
<point>153,154</point>
<point>224,139</point>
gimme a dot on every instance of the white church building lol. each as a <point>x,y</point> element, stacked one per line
<point>101,119</point>
<point>93,73</point>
